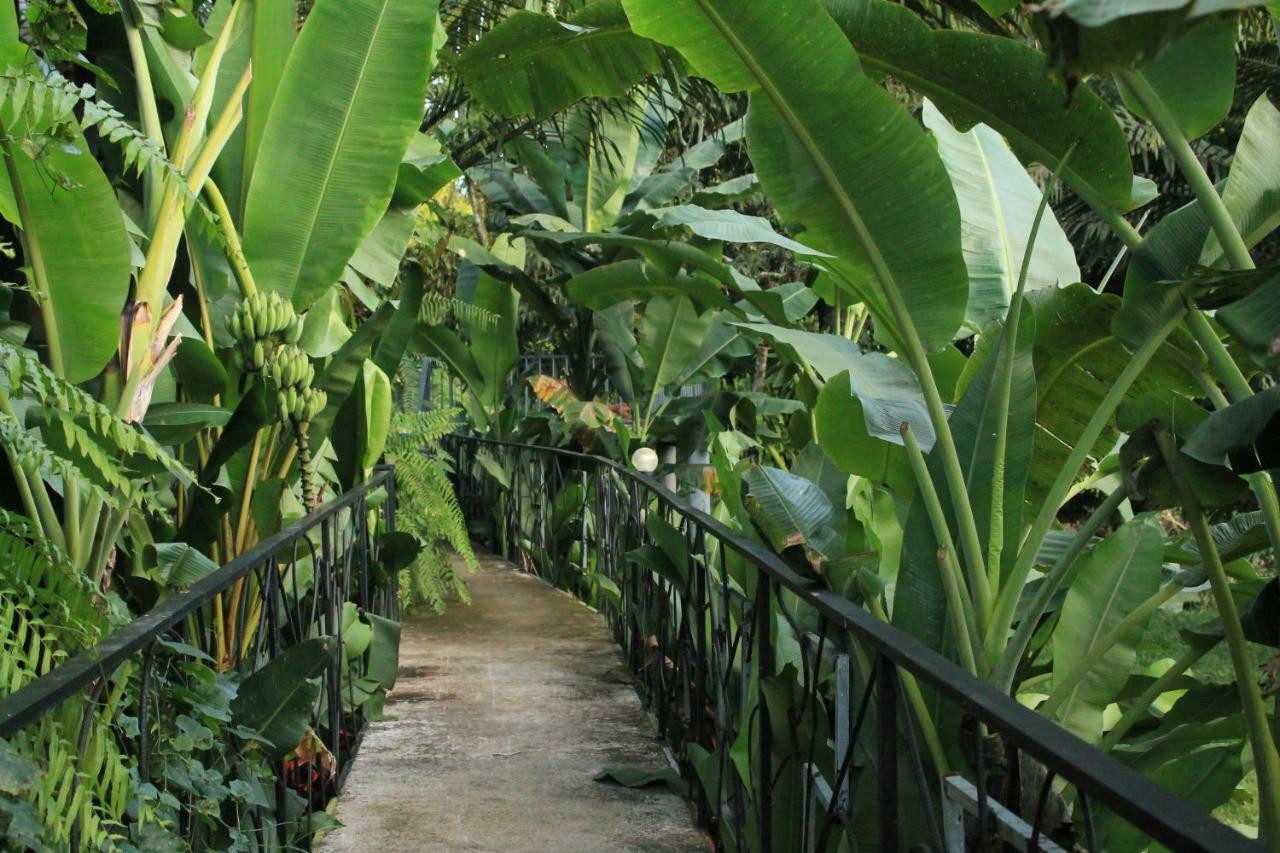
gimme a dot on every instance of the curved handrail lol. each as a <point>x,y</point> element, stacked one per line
<point>23,707</point>
<point>1164,816</point>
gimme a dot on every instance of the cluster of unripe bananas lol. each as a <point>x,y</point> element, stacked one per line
<point>266,331</point>
<point>291,373</point>
<point>261,321</point>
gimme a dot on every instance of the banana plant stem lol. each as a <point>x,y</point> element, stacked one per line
<point>915,697</point>
<point>30,484</point>
<point>962,505</point>
<point>1193,172</point>
<point>1007,604</point>
<point>1142,704</point>
<point>235,252</point>
<point>148,109</point>
<point>1065,688</point>
<point>966,634</point>
<point>1236,252</point>
<point>33,253</point>
<point>114,521</point>
<point>1007,349</point>
<point>1007,669</point>
<point>250,480</point>
<point>1266,758</point>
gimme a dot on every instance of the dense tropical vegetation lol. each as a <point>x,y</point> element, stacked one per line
<point>966,309</point>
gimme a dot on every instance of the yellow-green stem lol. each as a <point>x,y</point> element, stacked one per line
<point>1142,704</point>
<point>235,252</point>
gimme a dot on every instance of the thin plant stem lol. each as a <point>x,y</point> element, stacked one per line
<point>1193,172</point>
<point>966,635</point>
<point>1064,688</point>
<point>1008,349</point>
<point>250,481</point>
<point>1236,252</point>
<point>915,697</point>
<point>1266,758</point>
<point>1007,668</point>
<point>1007,604</point>
<point>1140,706</point>
<point>235,252</point>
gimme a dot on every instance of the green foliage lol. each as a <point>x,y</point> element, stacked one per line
<point>429,510</point>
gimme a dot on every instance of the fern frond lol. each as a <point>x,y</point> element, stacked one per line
<point>51,99</point>
<point>429,509</point>
<point>437,308</point>
<point>49,611</point>
<point>73,406</point>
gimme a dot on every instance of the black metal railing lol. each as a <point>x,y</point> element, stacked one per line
<point>795,711</point>
<point>291,587</point>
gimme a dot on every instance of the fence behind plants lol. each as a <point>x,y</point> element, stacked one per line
<point>304,622</point>
<point>793,710</point>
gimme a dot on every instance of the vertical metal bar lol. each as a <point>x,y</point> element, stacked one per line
<point>843,743</point>
<point>764,668</point>
<point>887,747</point>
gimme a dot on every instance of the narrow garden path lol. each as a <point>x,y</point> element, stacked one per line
<point>504,712</point>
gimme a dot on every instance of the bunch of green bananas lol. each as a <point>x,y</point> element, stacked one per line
<point>301,405</point>
<point>290,367</point>
<point>258,323</point>
<point>292,374</point>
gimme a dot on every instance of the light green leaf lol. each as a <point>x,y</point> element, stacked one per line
<point>1113,579</point>
<point>324,327</point>
<point>330,153</point>
<point>998,204</point>
<point>425,171</point>
<point>728,226</point>
<point>378,258</point>
<point>76,250</point>
<point>178,564</point>
<point>1252,193</point>
<point>671,332</point>
<point>377,413</point>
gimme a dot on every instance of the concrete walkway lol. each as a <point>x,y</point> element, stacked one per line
<point>504,712</point>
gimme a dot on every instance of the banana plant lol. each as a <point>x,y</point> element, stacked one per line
<point>985,499</point>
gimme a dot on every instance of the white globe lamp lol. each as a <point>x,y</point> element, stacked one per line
<point>645,460</point>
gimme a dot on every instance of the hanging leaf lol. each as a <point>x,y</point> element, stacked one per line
<point>1252,192</point>
<point>809,98</point>
<point>728,226</point>
<point>532,64</point>
<point>792,511</point>
<point>610,284</point>
<point>888,390</point>
<point>1195,76</point>
<point>275,702</point>
<point>1002,83</point>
